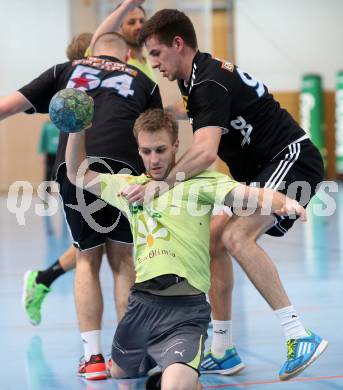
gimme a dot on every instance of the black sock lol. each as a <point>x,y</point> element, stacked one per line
<point>48,276</point>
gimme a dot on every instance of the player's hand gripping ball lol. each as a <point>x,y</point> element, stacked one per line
<point>71,110</point>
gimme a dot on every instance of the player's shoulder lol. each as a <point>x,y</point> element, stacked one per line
<point>207,67</point>
<point>62,66</point>
<point>59,69</point>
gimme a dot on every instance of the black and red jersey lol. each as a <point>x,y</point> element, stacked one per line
<point>121,93</point>
<point>255,127</point>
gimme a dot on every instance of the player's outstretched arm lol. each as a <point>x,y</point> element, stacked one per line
<point>78,171</point>
<point>264,198</point>
<point>13,104</point>
<point>114,20</point>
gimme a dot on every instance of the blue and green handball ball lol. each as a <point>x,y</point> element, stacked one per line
<point>71,110</point>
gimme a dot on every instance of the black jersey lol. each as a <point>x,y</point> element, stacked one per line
<point>255,128</point>
<point>121,92</point>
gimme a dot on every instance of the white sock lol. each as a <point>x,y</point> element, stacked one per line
<point>222,337</point>
<point>91,343</point>
<point>290,323</point>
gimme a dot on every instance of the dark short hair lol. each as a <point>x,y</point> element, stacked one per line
<point>167,24</point>
<point>155,120</point>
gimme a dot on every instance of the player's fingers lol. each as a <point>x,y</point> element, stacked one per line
<point>133,198</point>
<point>125,191</point>
<point>136,196</point>
<point>281,211</point>
<point>130,190</point>
<point>302,214</point>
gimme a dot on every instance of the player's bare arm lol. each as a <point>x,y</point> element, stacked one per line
<point>13,104</point>
<point>114,20</point>
<point>200,156</point>
<point>276,202</point>
<point>78,171</point>
<point>178,110</point>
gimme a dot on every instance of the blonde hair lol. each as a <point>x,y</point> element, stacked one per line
<point>78,46</point>
<point>155,120</point>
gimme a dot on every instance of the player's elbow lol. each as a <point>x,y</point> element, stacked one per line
<point>6,110</point>
<point>209,157</point>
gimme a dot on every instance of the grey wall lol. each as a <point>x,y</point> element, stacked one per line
<point>279,40</point>
<point>33,36</point>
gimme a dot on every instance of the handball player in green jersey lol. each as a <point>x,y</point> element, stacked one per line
<point>167,316</point>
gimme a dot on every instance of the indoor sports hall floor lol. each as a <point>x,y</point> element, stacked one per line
<point>310,261</point>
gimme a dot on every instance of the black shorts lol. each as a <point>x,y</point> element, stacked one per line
<point>161,330</point>
<point>90,228</point>
<point>297,172</point>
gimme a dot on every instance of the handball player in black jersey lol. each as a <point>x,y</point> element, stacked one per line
<point>233,116</point>
<point>121,93</point>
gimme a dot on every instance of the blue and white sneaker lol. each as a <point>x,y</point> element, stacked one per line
<point>229,364</point>
<point>301,353</point>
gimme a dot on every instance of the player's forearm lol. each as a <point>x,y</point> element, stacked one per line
<point>258,197</point>
<point>178,110</point>
<point>265,198</point>
<point>113,21</point>
<point>13,104</point>
<point>276,199</point>
<point>4,112</point>
<point>195,160</point>
<point>271,202</point>
<point>75,155</point>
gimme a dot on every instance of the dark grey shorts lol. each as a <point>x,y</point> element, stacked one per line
<point>161,330</point>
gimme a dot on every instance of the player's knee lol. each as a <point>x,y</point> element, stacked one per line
<point>179,377</point>
<point>232,240</point>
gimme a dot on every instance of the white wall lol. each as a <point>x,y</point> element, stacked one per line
<point>33,36</point>
<point>277,41</point>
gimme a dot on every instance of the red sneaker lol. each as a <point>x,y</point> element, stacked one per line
<point>94,369</point>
